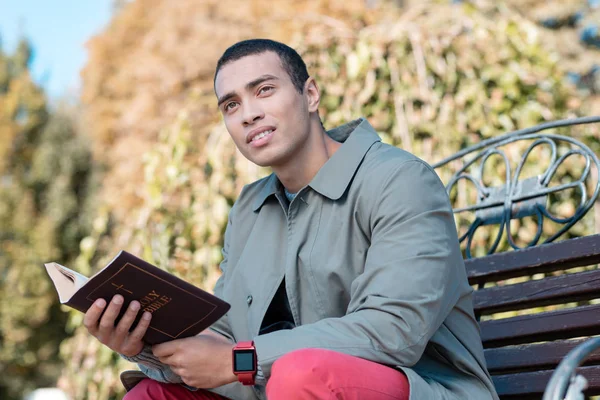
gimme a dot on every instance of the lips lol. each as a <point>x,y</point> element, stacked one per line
<point>259,133</point>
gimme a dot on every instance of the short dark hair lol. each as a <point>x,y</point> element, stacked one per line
<point>291,61</point>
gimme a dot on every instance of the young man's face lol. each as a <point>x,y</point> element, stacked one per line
<point>265,115</point>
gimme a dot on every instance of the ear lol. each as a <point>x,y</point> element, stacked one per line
<point>312,93</point>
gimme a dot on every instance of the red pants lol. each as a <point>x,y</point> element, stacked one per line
<point>304,374</point>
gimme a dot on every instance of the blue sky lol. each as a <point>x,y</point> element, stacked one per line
<point>58,30</point>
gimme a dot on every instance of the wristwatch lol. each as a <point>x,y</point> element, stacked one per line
<point>244,362</point>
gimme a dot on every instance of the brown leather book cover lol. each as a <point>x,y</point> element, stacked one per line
<point>179,309</point>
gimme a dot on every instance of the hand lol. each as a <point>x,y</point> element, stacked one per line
<point>117,338</point>
<point>202,361</point>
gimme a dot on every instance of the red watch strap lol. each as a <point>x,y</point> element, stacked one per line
<point>249,344</point>
<point>246,378</point>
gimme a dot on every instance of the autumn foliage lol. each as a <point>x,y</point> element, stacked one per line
<point>431,76</point>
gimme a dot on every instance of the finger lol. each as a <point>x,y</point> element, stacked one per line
<point>181,372</point>
<point>136,336</point>
<point>165,349</point>
<point>107,322</point>
<point>122,328</point>
<point>167,361</point>
<point>91,317</point>
<point>174,362</point>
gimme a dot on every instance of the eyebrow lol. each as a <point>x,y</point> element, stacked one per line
<point>250,85</point>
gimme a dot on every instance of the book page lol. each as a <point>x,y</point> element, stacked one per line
<point>66,281</point>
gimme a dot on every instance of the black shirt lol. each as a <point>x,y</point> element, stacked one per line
<point>278,315</point>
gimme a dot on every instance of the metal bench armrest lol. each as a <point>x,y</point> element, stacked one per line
<point>564,380</point>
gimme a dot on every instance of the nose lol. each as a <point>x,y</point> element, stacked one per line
<point>252,113</point>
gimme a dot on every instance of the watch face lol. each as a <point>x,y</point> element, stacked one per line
<point>244,361</point>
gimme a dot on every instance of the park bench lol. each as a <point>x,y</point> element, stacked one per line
<point>523,352</point>
<point>520,365</point>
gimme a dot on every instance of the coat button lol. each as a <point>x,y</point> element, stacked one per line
<point>249,300</point>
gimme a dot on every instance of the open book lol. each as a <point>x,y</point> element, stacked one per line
<point>179,309</point>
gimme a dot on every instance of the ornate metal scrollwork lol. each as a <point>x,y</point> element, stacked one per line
<point>518,198</point>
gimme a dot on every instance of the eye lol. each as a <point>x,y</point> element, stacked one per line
<point>265,89</point>
<point>229,106</point>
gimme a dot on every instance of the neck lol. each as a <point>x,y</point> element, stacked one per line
<point>304,165</point>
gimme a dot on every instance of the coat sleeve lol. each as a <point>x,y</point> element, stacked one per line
<point>149,363</point>
<point>152,367</point>
<point>410,283</point>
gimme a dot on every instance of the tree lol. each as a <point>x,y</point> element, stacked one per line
<point>45,171</point>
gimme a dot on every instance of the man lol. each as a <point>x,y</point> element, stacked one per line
<point>342,268</point>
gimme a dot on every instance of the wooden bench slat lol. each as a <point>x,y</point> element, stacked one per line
<point>552,325</point>
<point>530,357</point>
<point>534,383</point>
<point>545,258</point>
<point>536,293</point>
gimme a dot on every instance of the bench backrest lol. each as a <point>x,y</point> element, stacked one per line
<point>525,177</point>
<point>536,303</point>
<point>522,351</point>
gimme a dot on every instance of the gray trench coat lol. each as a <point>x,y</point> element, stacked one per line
<point>372,268</point>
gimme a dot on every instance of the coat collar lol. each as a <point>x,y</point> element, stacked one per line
<point>335,175</point>
<point>270,188</point>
